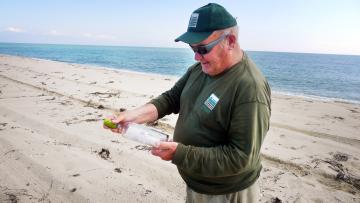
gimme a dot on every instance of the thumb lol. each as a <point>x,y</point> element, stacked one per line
<point>163,145</point>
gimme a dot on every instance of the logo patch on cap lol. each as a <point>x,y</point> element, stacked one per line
<point>193,20</point>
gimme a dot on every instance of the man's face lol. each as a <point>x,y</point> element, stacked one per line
<point>213,62</point>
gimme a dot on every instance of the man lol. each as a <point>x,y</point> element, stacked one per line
<point>223,103</point>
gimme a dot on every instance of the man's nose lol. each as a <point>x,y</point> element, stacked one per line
<point>198,56</point>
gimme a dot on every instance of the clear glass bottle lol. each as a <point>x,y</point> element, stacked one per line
<point>139,133</point>
<point>144,134</point>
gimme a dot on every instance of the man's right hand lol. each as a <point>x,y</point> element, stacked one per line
<point>143,114</point>
<point>117,120</point>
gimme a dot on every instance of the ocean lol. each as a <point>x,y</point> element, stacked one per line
<point>321,76</point>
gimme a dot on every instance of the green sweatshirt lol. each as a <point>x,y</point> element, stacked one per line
<point>222,123</point>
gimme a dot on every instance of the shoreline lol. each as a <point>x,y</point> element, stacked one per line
<point>316,98</point>
<point>284,93</point>
<point>53,111</point>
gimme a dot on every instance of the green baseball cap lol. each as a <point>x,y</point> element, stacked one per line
<point>204,21</point>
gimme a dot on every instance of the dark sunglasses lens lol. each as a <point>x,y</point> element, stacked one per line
<point>200,50</point>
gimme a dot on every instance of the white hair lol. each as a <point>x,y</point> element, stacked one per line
<point>231,30</point>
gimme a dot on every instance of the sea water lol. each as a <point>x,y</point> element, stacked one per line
<point>323,76</point>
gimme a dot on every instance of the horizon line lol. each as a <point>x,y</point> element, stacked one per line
<point>164,47</point>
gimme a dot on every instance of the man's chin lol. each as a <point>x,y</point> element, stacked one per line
<point>207,72</point>
<point>205,68</point>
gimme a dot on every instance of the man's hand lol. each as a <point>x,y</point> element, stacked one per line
<point>165,150</point>
<point>117,120</point>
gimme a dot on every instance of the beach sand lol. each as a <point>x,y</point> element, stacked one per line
<point>53,147</point>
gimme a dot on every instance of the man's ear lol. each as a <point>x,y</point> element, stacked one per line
<point>231,41</point>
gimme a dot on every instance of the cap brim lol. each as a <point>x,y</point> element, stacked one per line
<point>193,37</point>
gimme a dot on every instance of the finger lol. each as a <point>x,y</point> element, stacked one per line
<point>155,151</point>
<point>166,158</point>
<point>116,130</point>
<point>110,117</point>
<point>117,119</point>
<point>165,155</point>
<point>162,145</point>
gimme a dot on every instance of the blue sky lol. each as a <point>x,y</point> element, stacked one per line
<point>310,26</point>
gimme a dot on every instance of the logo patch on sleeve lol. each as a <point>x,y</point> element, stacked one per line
<point>211,102</point>
<point>193,20</point>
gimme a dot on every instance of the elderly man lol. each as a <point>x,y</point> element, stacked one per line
<point>223,102</point>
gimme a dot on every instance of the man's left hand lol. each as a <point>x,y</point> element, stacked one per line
<point>165,150</point>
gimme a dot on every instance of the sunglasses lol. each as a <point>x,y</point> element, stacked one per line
<point>206,48</point>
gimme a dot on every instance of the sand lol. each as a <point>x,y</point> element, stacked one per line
<point>53,147</point>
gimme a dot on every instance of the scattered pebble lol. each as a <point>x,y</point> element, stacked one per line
<point>3,124</point>
<point>147,192</point>
<point>339,117</point>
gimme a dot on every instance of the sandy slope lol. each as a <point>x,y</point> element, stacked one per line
<point>51,136</point>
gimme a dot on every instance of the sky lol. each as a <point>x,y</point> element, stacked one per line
<point>306,26</point>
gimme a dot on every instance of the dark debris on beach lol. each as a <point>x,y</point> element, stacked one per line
<point>104,153</point>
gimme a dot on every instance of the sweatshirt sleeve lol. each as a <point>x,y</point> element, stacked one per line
<point>248,126</point>
<point>169,101</point>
